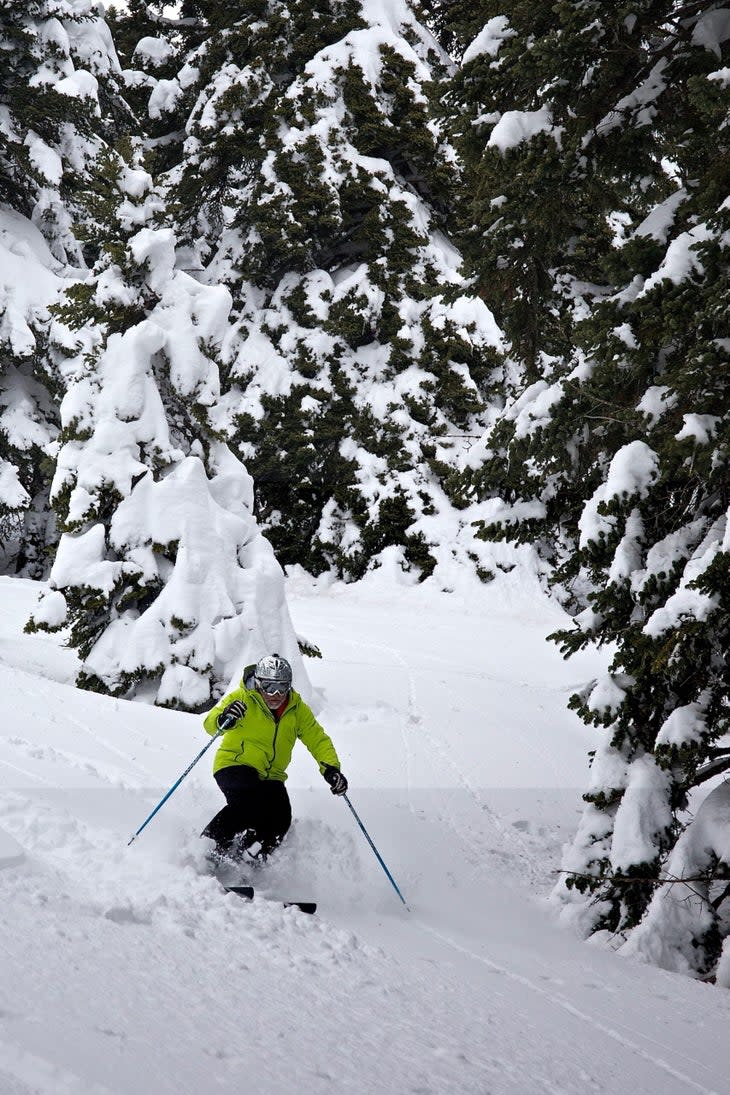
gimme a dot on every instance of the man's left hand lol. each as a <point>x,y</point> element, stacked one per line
<point>336,780</point>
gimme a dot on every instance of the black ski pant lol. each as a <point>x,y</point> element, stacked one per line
<point>256,811</point>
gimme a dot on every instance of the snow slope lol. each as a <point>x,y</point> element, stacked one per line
<point>127,970</point>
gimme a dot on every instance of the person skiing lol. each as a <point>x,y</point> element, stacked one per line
<point>262,720</point>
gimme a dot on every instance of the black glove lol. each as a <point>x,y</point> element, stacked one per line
<point>230,716</point>
<point>336,780</point>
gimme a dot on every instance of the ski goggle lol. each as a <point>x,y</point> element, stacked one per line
<point>272,688</point>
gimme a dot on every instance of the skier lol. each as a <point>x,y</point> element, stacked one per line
<point>262,720</point>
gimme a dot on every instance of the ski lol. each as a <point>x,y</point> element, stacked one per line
<point>248,893</point>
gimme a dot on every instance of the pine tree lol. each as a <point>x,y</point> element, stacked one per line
<point>28,394</point>
<point>612,455</point>
<point>315,184</point>
<point>59,96</point>
<point>161,574</point>
<point>551,188</point>
<point>654,547</point>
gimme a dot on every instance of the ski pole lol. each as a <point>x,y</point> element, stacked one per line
<point>393,882</point>
<point>175,785</point>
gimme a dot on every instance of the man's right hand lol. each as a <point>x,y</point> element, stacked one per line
<point>231,714</point>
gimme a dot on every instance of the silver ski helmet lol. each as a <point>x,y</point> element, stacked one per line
<point>273,675</point>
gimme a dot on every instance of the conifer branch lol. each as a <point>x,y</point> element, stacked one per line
<point>627,880</point>
<point>719,763</point>
<point>719,900</point>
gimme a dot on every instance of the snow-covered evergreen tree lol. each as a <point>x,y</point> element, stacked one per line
<point>654,546</point>
<point>612,456</point>
<point>550,191</point>
<point>28,411</point>
<point>161,572</point>
<point>315,184</point>
<point>59,95</point>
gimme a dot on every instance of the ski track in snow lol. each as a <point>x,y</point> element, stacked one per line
<point>26,772</point>
<point>415,725</point>
<point>35,1074</point>
<point>560,1002</point>
<point>124,755</point>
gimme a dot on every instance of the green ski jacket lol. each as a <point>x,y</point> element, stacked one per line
<point>260,742</point>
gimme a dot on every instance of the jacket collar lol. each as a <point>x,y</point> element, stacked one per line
<point>293,701</point>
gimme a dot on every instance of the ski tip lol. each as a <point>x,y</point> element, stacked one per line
<point>303,906</point>
<point>241,891</point>
<point>247,892</point>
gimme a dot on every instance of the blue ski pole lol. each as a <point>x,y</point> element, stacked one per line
<point>175,785</point>
<point>377,853</point>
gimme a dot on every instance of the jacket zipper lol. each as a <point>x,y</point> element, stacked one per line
<point>273,745</point>
<point>276,733</point>
<point>273,741</point>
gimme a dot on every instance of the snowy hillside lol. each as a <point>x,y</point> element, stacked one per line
<point>126,970</point>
